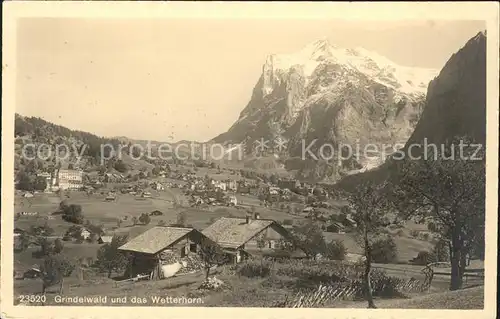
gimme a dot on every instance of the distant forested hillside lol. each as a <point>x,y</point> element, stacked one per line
<point>41,131</point>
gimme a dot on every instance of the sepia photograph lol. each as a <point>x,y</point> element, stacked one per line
<point>227,159</point>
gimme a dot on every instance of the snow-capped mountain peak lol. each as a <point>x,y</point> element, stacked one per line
<point>408,80</point>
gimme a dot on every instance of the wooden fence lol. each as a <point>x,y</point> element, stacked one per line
<point>344,291</point>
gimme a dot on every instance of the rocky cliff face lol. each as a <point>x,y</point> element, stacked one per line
<point>456,99</point>
<point>332,95</point>
<point>455,106</point>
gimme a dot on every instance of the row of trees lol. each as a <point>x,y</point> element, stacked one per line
<point>309,237</point>
<point>29,182</point>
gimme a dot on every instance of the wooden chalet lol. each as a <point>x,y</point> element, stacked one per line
<point>251,236</point>
<point>160,245</point>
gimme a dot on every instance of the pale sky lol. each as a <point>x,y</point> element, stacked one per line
<point>186,79</point>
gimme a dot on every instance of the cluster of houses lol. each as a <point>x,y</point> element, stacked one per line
<point>237,239</point>
<point>63,179</point>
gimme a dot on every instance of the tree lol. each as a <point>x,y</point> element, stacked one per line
<point>93,238</point>
<point>73,214</point>
<point>134,220</point>
<point>22,243</point>
<point>181,219</point>
<point>368,203</point>
<point>335,250</point>
<point>47,248</point>
<point>54,269</point>
<point>46,230</point>
<point>156,171</point>
<point>120,166</point>
<point>448,191</point>
<point>384,250</point>
<point>58,246</point>
<point>261,242</point>
<point>441,251</point>
<point>210,254</point>
<point>25,182</point>
<point>95,229</point>
<point>40,183</point>
<point>32,166</point>
<point>74,232</point>
<point>309,237</point>
<point>109,258</point>
<point>144,219</point>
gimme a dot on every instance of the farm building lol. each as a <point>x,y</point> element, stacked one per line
<point>85,233</point>
<point>110,198</point>
<point>160,246</point>
<point>336,228</point>
<point>232,200</point>
<point>243,237</point>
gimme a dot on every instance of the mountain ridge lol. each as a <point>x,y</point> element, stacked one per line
<point>335,95</point>
<point>455,106</point>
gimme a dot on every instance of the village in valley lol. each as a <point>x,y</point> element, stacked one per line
<point>198,225</point>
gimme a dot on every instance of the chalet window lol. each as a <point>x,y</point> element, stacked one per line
<point>193,248</point>
<point>183,252</point>
<point>272,244</point>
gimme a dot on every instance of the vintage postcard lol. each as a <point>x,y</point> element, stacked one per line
<point>259,160</point>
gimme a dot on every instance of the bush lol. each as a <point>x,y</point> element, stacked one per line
<point>384,250</point>
<point>54,266</point>
<point>144,219</point>
<point>287,222</point>
<point>385,286</point>
<point>310,272</point>
<point>254,268</point>
<point>441,252</point>
<point>335,250</point>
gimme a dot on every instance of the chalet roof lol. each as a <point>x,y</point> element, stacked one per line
<point>234,232</point>
<point>107,239</point>
<point>156,239</point>
<point>337,224</point>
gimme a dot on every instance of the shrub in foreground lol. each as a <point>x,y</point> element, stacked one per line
<point>253,268</point>
<point>384,250</point>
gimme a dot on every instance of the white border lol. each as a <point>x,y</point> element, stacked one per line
<point>12,10</point>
